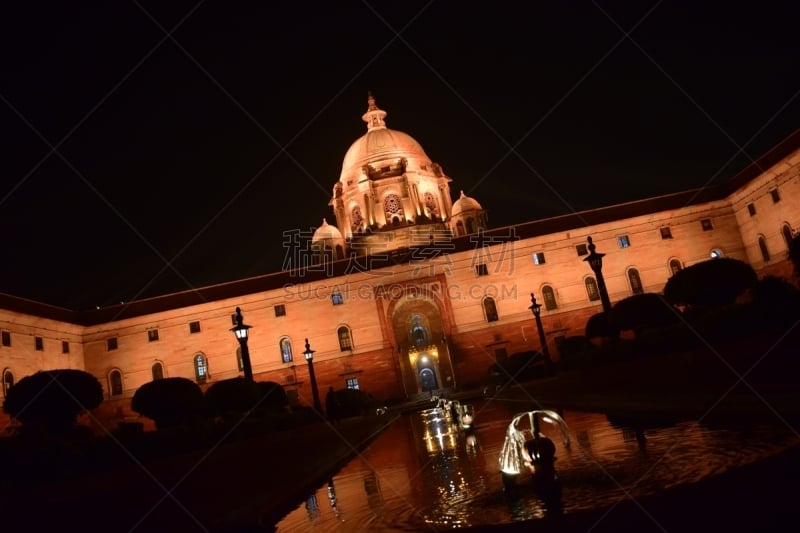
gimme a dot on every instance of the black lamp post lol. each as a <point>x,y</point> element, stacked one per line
<point>536,308</point>
<point>309,355</point>
<point>595,261</point>
<point>241,331</point>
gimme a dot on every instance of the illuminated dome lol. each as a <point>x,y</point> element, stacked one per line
<point>464,204</point>
<point>328,233</point>
<point>379,146</point>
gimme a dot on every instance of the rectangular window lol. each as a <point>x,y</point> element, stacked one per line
<point>152,335</point>
<point>481,269</point>
<point>538,258</point>
<point>6,335</point>
<point>64,346</point>
<point>623,241</point>
<point>280,310</point>
<point>666,232</point>
<point>111,344</point>
<point>194,327</point>
<point>38,343</point>
<point>336,298</point>
<point>582,250</point>
<point>706,224</point>
<point>352,383</point>
<point>776,197</point>
<point>751,208</point>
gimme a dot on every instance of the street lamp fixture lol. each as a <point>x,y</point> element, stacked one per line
<point>309,355</point>
<point>595,261</point>
<point>536,308</point>
<point>241,330</point>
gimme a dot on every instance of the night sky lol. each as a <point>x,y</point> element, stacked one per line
<point>150,148</point>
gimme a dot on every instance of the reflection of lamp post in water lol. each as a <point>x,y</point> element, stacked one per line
<point>537,311</point>
<point>309,355</point>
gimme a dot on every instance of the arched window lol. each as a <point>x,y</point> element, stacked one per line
<point>200,368</point>
<point>460,231</point>
<point>345,340</point>
<point>157,370</point>
<point>8,381</point>
<point>115,382</point>
<point>716,253</point>
<point>635,281</point>
<point>786,231</point>
<point>549,296</point>
<point>472,225</point>
<point>675,266</point>
<point>591,289</point>
<point>762,245</point>
<point>239,360</point>
<point>490,309</point>
<point>286,350</point>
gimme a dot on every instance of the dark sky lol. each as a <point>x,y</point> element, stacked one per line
<point>147,149</point>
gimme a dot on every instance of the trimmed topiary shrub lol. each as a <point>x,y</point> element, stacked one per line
<point>272,397</point>
<point>53,399</point>
<point>353,402</point>
<point>232,397</point>
<point>574,351</point>
<point>711,283</point>
<point>643,311</point>
<point>169,402</point>
<point>599,326</point>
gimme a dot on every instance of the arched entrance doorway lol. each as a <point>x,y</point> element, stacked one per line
<point>427,379</point>
<point>424,356</point>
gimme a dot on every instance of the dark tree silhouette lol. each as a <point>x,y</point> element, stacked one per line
<point>711,283</point>
<point>53,399</point>
<point>643,311</point>
<point>169,402</point>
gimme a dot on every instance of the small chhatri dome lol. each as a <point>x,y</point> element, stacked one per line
<point>327,232</point>
<point>465,203</point>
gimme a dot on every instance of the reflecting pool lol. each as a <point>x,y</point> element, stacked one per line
<point>411,478</point>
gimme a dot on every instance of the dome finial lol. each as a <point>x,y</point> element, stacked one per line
<point>374,116</point>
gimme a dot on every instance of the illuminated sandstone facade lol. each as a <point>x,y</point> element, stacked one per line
<point>407,292</point>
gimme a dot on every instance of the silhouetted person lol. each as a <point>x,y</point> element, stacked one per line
<point>332,406</point>
<point>541,462</point>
